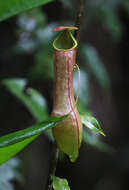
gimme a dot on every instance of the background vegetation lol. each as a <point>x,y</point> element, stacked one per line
<point>26,74</point>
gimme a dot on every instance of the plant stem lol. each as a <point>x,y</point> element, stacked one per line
<point>79,19</point>
<point>53,165</point>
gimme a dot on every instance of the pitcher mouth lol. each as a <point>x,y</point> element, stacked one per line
<point>65,41</point>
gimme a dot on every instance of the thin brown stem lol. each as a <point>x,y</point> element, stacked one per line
<point>79,19</point>
<point>53,165</point>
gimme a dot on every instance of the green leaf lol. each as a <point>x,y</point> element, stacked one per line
<point>14,142</point>
<point>33,100</point>
<point>91,123</point>
<point>60,184</point>
<point>9,8</point>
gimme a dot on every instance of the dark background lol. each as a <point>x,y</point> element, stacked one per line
<point>106,28</point>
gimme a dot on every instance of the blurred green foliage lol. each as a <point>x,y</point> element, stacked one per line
<point>34,38</point>
<point>107,13</point>
<point>95,65</point>
<point>33,100</point>
<point>10,171</point>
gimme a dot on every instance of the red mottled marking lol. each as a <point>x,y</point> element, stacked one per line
<point>60,28</point>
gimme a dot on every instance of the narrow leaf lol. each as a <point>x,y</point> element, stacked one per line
<point>91,123</point>
<point>32,99</point>
<point>60,184</point>
<point>14,142</point>
<point>9,8</point>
